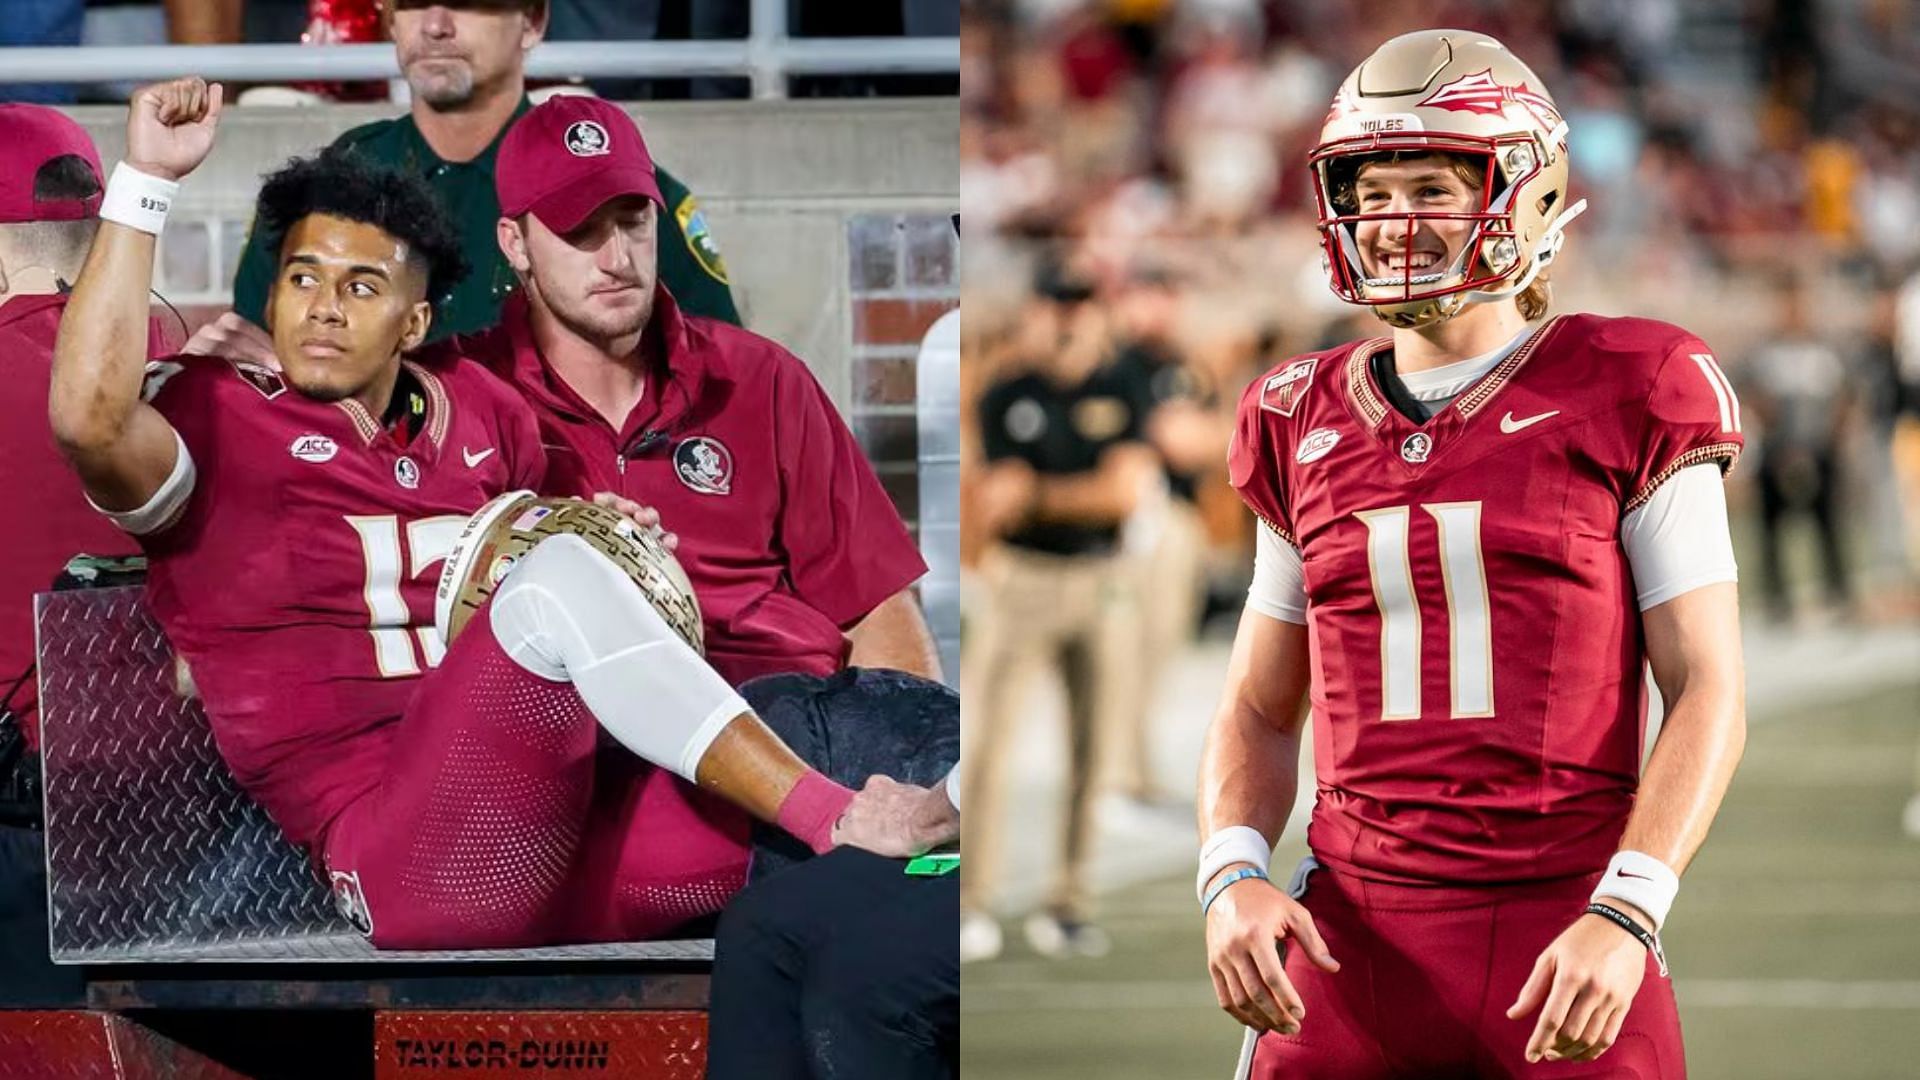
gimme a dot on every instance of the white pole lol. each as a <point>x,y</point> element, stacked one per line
<point>765,33</point>
<point>766,59</point>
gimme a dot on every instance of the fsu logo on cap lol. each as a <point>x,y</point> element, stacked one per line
<point>586,138</point>
<point>705,465</point>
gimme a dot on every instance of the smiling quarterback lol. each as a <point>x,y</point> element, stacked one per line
<point>1473,535</point>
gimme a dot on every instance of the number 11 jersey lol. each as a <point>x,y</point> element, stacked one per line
<point>1475,647</point>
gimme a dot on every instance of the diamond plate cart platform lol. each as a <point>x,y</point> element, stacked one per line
<point>182,899</point>
<point>154,854</point>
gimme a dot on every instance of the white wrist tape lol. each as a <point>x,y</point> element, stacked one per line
<point>1233,844</point>
<point>138,200</point>
<point>1643,881</point>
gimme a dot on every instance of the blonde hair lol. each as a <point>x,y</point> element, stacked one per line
<point>1535,298</point>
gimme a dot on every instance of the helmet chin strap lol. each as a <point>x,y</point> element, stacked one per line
<point>1437,309</point>
<point>1544,251</point>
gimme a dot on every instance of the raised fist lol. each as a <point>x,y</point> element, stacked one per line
<point>170,127</point>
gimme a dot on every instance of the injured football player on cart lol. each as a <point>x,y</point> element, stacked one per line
<point>452,781</point>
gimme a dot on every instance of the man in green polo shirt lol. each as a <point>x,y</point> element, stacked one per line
<point>466,63</point>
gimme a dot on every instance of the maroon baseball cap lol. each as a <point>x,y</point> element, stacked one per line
<point>565,158</point>
<point>35,136</point>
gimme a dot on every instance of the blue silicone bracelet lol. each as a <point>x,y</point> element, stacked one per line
<point>1242,874</point>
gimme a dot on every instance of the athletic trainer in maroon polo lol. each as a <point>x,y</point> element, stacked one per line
<point>50,188</point>
<point>799,559</point>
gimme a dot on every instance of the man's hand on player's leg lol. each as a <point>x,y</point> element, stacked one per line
<point>1245,927</point>
<point>1583,985</point>
<point>887,818</point>
<point>646,517</point>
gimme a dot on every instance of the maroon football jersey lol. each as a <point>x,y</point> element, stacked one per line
<point>1475,646</point>
<point>298,581</point>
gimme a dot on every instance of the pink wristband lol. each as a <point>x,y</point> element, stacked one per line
<point>811,808</point>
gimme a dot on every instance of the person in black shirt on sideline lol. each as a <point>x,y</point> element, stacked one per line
<point>1189,423</point>
<point>1066,464</point>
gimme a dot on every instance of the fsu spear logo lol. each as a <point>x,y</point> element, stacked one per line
<point>1479,93</point>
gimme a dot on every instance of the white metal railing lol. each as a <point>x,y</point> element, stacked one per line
<point>765,58</point>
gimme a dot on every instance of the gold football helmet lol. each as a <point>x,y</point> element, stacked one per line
<point>1459,93</point>
<point>502,532</point>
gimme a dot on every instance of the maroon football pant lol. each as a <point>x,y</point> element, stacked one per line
<point>502,822</point>
<point>1426,976</point>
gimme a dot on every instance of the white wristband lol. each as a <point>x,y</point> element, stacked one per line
<point>138,200</point>
<point>1233,844</point>
<point>1643,881</point>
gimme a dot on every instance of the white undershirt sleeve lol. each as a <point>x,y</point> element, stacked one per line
<point>1678,540</point>
<point>164,508</point>
<point>567,614</point>
<point>1279,589</point>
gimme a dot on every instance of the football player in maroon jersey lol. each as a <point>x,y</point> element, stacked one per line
<point>295,519</point>
<point>1473,533</point>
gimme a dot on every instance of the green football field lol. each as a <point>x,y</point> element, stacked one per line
<point>1795,944</point>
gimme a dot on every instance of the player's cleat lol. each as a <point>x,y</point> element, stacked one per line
<point>980,937</point>
<point>1057,937</point>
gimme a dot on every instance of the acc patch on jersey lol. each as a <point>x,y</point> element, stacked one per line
<point>1318,444</point>
<point>317,449</point>
<point>693,225</point>
<point>704,464</point>
<point>1283,390</point>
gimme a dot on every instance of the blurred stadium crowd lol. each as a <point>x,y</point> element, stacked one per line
<point>1140,222</point>
<point>322,22</point>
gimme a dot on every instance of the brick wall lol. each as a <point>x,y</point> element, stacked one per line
<point>904,275</point>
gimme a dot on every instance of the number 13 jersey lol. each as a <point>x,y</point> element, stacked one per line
<point>1475,647</point>
<point>297,576</point>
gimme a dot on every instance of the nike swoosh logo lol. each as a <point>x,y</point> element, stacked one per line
<point>473,459</point>
<point>1508,425</point>
<point>1623,873</point>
